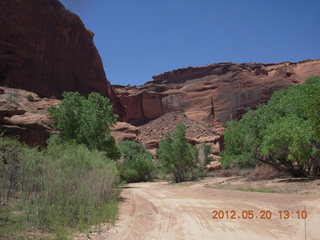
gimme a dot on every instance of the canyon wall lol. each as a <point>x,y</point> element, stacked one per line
<point>46,49</point>
<point>213,93</point>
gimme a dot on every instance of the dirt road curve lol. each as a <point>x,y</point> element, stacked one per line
<point>169,211</point>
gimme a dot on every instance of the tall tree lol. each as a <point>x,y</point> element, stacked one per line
<point>176,155</point>
<point>284,133</point>
<point>86,121</point>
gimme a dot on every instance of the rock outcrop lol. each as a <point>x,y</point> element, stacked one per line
<point>152,132</point>
<point>122,131</point>
<point>46,49</point>
<point>213,166</point>
<point>24,115</point>
<point>212,94</point>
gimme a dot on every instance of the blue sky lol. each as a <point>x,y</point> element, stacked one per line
<point>137,39</point>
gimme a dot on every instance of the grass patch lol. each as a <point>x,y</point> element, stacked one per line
<point>55,192</point>
<point>260,190</point>
<point>11,223</point>
<point>243,189</point>
<point>14,224</point>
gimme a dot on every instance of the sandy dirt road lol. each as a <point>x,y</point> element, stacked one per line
<point>172,211</point>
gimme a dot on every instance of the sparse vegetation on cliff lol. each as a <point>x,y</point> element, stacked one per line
<point>284,133</point>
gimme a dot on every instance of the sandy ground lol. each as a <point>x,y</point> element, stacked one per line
<point>277,185</point>
<point>184,211</point>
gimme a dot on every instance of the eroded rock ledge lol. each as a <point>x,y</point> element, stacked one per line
<point>212,93</point>
<point>24,115</point>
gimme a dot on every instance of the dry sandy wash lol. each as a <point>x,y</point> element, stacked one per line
<point>173,211</point>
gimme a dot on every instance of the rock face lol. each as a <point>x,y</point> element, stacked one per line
<point>122,131</point>
<point>212,166</point>
<point>46,49</point>
<point>196,133</point>
<point>25,115</point>
<point>151,133</point>
<point>212,94</point>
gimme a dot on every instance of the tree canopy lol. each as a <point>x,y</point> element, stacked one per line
<point>176,155</point>
<point>86,121</point>
<point>284,133</point>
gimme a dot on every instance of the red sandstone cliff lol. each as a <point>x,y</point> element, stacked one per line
<point>213,93</point>
<point>46,49</point>
<point>25,115</point>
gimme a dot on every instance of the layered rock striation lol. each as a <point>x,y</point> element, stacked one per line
<point>212,94</point>
<point>24,115</point>
<point>47,50</point>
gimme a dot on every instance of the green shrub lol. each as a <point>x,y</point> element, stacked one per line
<point>86,121</point>
<point>136,162</point>
<point>177,157</point>
<point>64,187</point>
<point>30,98</point>
<point>68,186</point>
<point>10,164</point>
<point>12,98</point>
<point>284,133</point>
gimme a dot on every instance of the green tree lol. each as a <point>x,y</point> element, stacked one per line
<point>176,155</point>
<point>86,121</point>
<point>283,133</point>
<point>287,141</point>
<point>242,139</point>
<point>312,104</point>
<point>136,162</point>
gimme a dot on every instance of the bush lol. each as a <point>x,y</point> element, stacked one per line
<point>12,98</point>
<point>86,121</point>
<point>30,98</point>
<point>10,164</point>
<point>63,187</point>
<point>284,133</point>
<point>68,186</point>
<point>177,157</point>
<point>136,162</point>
